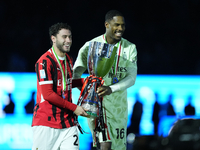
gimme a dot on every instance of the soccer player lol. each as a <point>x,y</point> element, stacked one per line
<point>54,124</point>
<point>114,91</point>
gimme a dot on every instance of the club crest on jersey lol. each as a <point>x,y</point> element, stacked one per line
<point>42,74</point>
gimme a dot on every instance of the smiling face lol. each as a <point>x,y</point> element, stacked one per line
<point>115,29</point>
<point>62,42</point>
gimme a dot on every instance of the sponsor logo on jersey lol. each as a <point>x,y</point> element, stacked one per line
<point>69,83</point>
<point>122,69</point>
<point>119,74</point>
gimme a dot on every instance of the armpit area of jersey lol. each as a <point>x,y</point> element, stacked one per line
<point>77,82</point>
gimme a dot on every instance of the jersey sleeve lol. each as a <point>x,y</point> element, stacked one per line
<point>130,77</point>
<point>80,64</point>
<point>77,82</point>
<point>45,83</point>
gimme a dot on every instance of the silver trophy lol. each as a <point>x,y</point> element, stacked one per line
<point>100,59</point>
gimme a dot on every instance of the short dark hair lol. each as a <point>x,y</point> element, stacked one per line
<point>110,14</point>
<point>54,29</point>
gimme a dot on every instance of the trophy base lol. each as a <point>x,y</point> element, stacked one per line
<point>91,115</point>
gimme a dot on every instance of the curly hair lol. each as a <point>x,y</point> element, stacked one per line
<point>54,29</point>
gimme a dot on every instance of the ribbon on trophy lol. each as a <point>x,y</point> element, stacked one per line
<point>92,102</point>
<point>116,61</point>
<point>101,57</point>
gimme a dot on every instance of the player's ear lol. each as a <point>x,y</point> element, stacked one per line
<point>106,24</point>
<point>53,38</point>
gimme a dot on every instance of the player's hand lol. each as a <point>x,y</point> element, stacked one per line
<point>104,90</point>
<point>80,111</point>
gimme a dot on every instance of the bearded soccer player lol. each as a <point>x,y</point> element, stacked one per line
<point>114,91</point>
<point>54,124</point>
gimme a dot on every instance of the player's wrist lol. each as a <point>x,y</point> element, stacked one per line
<point>114,88</point>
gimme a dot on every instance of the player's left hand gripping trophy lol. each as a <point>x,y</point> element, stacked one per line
<point>100,59</point>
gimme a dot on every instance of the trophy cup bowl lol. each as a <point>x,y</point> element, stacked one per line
<point>100,59</point>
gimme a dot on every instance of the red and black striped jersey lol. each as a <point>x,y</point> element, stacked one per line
<point>51,108</point>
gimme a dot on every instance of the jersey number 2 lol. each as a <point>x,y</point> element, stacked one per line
<point>76,140</point>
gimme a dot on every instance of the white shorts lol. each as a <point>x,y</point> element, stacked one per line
<point>46,138</point>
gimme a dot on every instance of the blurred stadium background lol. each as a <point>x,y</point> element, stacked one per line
<point>171,93</point>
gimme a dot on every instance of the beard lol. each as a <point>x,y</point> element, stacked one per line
<point>114,39</point>
<point>60,47</point>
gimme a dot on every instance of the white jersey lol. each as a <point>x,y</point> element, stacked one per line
<point>114,104</point>
<point>126,74</point>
